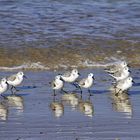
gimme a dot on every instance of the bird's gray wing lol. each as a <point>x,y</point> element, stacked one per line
<point>114,68</point>
<point>119,83</point>
<point>67,74</point>
<point>111,69</point>
<point>117,74</point>
<point>11,78</point>
<point>82,82</point>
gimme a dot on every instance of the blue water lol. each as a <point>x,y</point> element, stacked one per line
<point>103,28</point>
<point>38,20</point>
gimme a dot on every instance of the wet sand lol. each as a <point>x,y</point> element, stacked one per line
<point>34,114</point>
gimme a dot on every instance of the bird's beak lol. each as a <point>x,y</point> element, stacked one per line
<point>62,79</point>
<point>7,83</point>
<point>79,74</point>
<point>133,81</point>
<point>93,77</point>
<point>25,76</point>
<point>129,71</point>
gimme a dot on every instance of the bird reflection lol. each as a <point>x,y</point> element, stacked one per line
<point>70,99</point>
<point>17,102</point>
<point>57,107</point>
<point>121,103</point>
<point>3,111</point>
<point>86,107</point>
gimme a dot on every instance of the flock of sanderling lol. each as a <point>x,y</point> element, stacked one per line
<point>71,77</point>
<point>119,71</point>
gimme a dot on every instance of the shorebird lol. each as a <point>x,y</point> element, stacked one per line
<point>123,85</point>
<point>116,67</point>
<point>57,84</point>
<point>15,80</point>
<point>71,77</point>
<point>3,86</point>
<point>120,75</point>
<point>86,82</point>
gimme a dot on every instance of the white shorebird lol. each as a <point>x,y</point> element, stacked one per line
<point>120,75</point>
<point>70,77</point>
<point>57,83</point>
<point>116,67</point>
<point>3,86</point>
<point>15,80</point>
<point>123,85</point>
<point>86,82</point>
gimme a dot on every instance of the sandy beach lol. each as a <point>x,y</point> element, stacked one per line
<point>30,114</point>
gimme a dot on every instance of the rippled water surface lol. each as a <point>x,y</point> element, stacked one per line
<point>62,33</point>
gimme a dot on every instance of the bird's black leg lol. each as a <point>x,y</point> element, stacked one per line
<point>116,94</point>
<point>78,87</point>
<point>74,84</point>
<point>54,93</point>
<point>81,95</point>
<point>12,90</point>
<point>89,97</point>
<point>54,98</point>
<point>89,91</point>
<point>3,96</point>
<point>15,88</point>
<point>64,90</point>
<point>80,91</point>
<point>115,90</point>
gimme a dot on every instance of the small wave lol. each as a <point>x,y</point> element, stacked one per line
<point>81,64</point>
<point>26,66</point>
<point>89,63</point>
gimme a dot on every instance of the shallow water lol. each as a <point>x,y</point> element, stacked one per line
<point>31,114</point>
<point>62,34</point>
